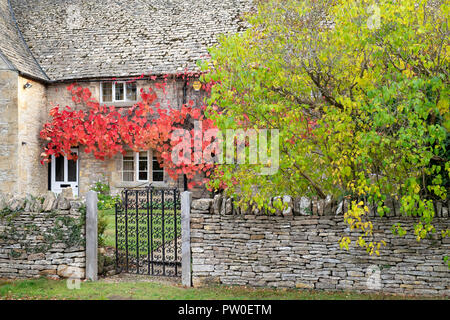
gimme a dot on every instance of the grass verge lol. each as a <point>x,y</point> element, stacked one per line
<point>43,289</point>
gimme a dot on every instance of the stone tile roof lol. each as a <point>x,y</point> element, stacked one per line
<point>114,38</point>
<point>13,49</point>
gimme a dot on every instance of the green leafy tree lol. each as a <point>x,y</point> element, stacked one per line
<point>360,93</point>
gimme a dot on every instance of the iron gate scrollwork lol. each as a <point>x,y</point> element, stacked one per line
<point>148,232</point>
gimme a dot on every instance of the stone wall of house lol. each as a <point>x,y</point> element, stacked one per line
<point>302,251</point>
<point>22,114</point>
<point>42,237</point>
<point>91,171</point>
<point>32,114</point>
<point>8,130</point>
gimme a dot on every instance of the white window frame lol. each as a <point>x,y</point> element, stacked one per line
<point>113,95</point>
<point>137,161</point>
<point>136,168</point>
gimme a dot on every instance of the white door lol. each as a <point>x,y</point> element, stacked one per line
<point>64,174</point>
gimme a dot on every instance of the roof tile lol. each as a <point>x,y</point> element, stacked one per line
<point>108,38</point>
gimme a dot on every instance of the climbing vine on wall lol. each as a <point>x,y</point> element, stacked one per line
<point>106,131</point>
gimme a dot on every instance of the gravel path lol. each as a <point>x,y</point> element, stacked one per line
<point>125,277</point>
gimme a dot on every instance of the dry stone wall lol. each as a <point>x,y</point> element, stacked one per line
<point>294,251</point>
<point>42,236</point>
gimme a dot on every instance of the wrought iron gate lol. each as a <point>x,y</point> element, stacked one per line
<point>148,232</point>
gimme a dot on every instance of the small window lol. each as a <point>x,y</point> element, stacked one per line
<point>141,166</point>
<point>118,92</point>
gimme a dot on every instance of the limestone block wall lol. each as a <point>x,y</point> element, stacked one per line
<point>91,170</point>
<point>22,114</point>
<point>303,252</point>
<point>8,131</point>
<point>57,94</point>
<point>42,237</point>
<point>32,114</point>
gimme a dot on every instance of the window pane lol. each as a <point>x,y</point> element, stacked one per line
<point>143,176</point>
<point>128,167</point>
<point>128,176</point>
<point>59,169</point>
<point>131,91</point>
<point>119,91</point>
<point>158,171</point>
<point>107,92</point>
<point>142,156</point>
<point>158,176</point>
<point>72,170</point>
<point>143,166</point>
<point>128,164</point>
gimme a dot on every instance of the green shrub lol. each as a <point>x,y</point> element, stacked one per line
<point>101,188</point>
<point>105,202</point>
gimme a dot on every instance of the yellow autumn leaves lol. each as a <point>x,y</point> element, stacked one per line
<point>355,218</point>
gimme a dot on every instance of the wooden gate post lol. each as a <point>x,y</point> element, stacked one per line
<point>186,278</point>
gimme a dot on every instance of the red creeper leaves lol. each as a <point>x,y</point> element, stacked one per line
<point>105,131</point>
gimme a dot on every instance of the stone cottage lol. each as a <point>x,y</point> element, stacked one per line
<point>47,45</point>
